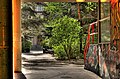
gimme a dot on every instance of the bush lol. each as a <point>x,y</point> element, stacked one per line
<point>26,45</point>
<point>59,52</point>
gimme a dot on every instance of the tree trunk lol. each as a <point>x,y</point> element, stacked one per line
<point>67,52</point>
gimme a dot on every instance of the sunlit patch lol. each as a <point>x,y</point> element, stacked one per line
<point>80,0</point>
<point>103,0</point>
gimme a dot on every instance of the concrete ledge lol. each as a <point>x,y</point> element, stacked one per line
<point>19,75</point>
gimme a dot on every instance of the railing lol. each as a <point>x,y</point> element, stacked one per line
<point>91,32</point>
<point>102,58</point>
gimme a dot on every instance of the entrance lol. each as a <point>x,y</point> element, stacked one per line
<point>16,33</point>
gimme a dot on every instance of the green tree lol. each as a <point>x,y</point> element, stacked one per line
<point>65,32</point>
<point>57,12</point>
<point>59,18</point>
<point>65,37</point>
<point>32,22</point>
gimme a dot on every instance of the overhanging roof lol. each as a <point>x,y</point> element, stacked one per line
<point>64,0</point>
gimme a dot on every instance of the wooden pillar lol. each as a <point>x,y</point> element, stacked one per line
<point>6,39</point>
<point>80,20</point>
<point>16,11</point>
<point>99,33</point>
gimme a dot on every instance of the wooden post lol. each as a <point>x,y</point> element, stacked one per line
<point>99,17</point>
<point>6,70</point>
<point>80,20</point>
<point>16,11</point>
<point>99,31</point>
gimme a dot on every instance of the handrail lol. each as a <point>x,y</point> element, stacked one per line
<point>104,43</point>
<point>91,26</point>
<point>100,20</point>
<point>88,39</point>
<point>93,33</point>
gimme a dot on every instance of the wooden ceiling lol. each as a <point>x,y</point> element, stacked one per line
<point>65,0</point>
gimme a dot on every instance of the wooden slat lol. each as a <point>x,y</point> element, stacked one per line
<point>104,43</point>
<point>64,0</point>
<point>93,34</point>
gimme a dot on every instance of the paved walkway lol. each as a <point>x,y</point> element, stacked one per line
<point>44,66</point>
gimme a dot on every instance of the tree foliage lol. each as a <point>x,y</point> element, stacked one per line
<point>65,32</point>
<point>64,36</point>
<point>32,22</point>
<point>62,17</point>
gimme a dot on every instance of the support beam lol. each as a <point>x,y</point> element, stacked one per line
<point>80,20</point>
<point>16,15</point>
<point>64,0</point>
<point>6,39</point>
<point>16,11</point>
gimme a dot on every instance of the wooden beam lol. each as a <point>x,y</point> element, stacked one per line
<point>64,0</point>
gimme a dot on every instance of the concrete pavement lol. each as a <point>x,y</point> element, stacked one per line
<point>45,66</point>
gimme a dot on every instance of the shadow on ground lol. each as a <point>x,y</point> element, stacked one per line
<point>45,66</point>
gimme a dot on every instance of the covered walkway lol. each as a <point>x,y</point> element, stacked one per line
<point>10,40</point>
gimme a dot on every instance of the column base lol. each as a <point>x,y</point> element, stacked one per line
<point>19,75</point>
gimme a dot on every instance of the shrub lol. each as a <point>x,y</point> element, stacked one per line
<point>26,45</point>
<point>59,52</point>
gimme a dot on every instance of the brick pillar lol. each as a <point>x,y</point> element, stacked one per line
<point>6,39</point>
